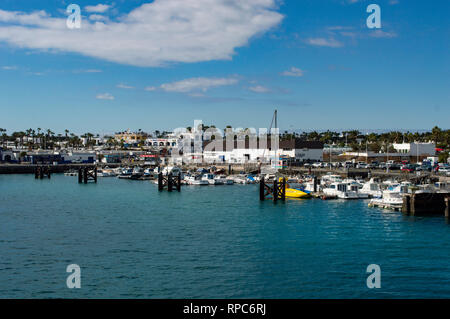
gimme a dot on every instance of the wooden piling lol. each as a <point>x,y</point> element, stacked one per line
<point>275,190</point>
<point>262,186</point>
<point>179,182</point>
<point>447,199</point>
<point>170,182</point>
<point>412,203</point>
<point>282,189</point>
<point>315,184</point>
<point>406,206</point>
<point>160,182</point>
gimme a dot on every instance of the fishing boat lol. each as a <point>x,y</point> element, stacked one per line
<point>372,188</point>
<point>341,190</point>
<point>106,172</point>
<point>392,197</point>
<point>224,180</point>
<point>138,173</point>
<point>330,178</point>
<point>71,173</point>
<point>356,187</point>
<point>126,173</point>
<point>210,178</point>
<point>195,180</point>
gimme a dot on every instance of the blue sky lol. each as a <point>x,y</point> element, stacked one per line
<point>160,65</point>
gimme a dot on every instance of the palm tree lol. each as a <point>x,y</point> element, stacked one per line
<point>3,133</point>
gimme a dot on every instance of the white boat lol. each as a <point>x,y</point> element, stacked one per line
<point>224,180</point>
<point>71,173</point>
<point>106,172</point>
<point>389,200</point>
<point>195,180</point>
<point>210,178</point>
<point>126,173</point>
<point>330,178</point>
<point>342,191</point>
<point>392,197</point>
<point>372,188</point>
<point>117,171</point>
<point>248,179</point>
<point>137,173</point>
<point>309,186</point>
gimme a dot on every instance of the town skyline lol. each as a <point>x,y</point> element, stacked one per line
<point>317,63</point>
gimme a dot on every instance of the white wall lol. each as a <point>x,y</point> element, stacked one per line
<point>414,149</point>
<point>239,155</point>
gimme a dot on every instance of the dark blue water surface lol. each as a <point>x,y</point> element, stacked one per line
<point>208,242</point>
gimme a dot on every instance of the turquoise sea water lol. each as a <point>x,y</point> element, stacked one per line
<point>208,242</point>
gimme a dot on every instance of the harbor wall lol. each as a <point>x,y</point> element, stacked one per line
<point>426,204</point>
<point>30,169</point>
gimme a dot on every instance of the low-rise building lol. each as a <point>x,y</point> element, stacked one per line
<point>129,137</point>
<point>294,151</point>
<point>162,142</point>
<point>415,149</point>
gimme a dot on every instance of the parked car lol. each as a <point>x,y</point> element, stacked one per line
<point>361,165</point>
<point>349,165</point>
<point>423,168</point>
<point>408,168</point>
<point>394,166</point>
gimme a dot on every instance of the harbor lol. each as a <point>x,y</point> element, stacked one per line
<point>208,242</point>
<point>412,194</point>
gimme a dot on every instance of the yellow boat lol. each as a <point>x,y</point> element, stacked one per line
<point>294,193</point>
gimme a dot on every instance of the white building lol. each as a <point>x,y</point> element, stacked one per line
<point>162,142</point>
<point>416,149</point>
<point>244,152</point>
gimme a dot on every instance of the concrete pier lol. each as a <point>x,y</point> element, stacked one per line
<point>426,204</point>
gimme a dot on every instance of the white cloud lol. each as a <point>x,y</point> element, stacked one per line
<point>323,42</point>
<point>383,34</point>
<point>88,71</point>
<point>153,34</point>
<point>105,96</point>
<point>97,17</point>
<point>150,88</point>
<point>197,84</point>
<point>196,95</point>
<point>9,67</point>
<point>100,8</point>
<point>296,72</point>
<point>259,89</point>
<point>124,86</point>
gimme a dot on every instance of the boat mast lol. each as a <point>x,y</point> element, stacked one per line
<point>277,160</point>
